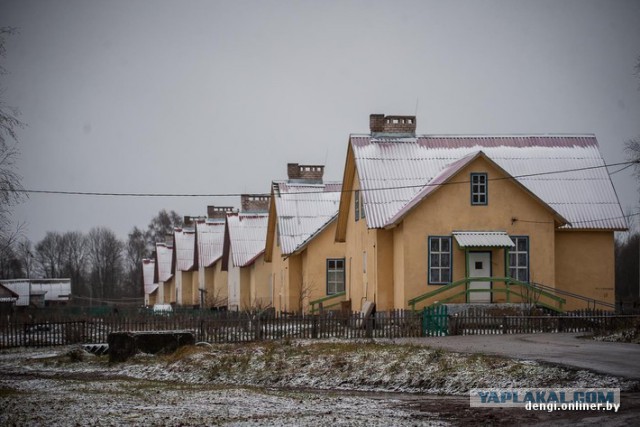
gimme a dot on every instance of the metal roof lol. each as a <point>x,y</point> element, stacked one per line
<point>303,210</point>
<point>164,254</point>
<point>247,234</point>
<point>393,171</point>
<point>185,240</point>
<point>148,270</point>
<point>52,289</point>
<point>483,239</point>
<point>210,235</point>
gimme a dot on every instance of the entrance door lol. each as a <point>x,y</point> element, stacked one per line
<point>479,266</point>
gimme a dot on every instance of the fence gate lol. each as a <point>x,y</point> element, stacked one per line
<point>435,321</point>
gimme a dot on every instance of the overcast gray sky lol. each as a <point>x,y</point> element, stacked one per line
<point>217,96</point>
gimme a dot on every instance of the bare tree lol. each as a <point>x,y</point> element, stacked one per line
<point>50,254</point>
<point>627,269</point>
<point>161,225</point>
<point>305,291</point>
<point>74,260</point>
<point>11,191</point>
<point>105,255</point>
<point>25,253</point>
<point>136,251</point>
<point>10,265</point>
<point>632,146</point>
<point>216,299</point>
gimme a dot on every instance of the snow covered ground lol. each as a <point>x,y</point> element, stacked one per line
<point>297,383</point>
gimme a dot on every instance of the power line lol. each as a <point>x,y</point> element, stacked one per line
<point>114,194</point>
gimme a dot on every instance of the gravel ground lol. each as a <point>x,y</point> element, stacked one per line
<point>66,387</point>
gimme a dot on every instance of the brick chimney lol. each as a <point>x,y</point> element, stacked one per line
<point>394,126</point>
<point>168,239</point>
<point>305,173</point>
<point>254,203</point>
<point>189,220</point>
<point>218,212</point>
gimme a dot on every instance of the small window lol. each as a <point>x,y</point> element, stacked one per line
<point>519,259</point>
<point>479,189</point>
<point>335,276</point>
<point>359,205</point>
<point>439,260</point>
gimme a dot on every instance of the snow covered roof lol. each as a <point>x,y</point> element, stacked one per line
<point>247,235</point>
<point>210,236</point>
<point>184,246</point>
<point>148,271</point>
<point>483,239</point>
<point>164,254</point>
<point>393,171</point>
<point>303,210</point>
<point>52,289</point>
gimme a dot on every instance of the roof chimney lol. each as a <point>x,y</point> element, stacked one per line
<point>393,126</point>
<point>218,212</point>
<point>305,173</point>
<point>254,203</point>
<point>168,239</point>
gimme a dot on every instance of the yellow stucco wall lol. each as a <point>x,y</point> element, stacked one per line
<point>169,291</point>
<point>260,285</point>
<point>314,264</point>
<point>398,266</point>
<point>187,290</point>
<point>279,278</point>
<point>449,209</point>
<point>359,253</point>
<point>397,259</point>
<point>244,296</point>
<point>383,270</point>
<point>219,296</point>
<point>585,265</point>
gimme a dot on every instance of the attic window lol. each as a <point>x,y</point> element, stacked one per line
<point>479,193</point>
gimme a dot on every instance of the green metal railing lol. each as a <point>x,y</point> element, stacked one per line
<point>526,291</point>
<point>320,302</point>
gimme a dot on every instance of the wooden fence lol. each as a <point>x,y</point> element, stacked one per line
<point>224,327</point>
<point>234,327</point>
<point>484,324</point>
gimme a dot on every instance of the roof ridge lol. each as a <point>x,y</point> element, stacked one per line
<point>486,135</point>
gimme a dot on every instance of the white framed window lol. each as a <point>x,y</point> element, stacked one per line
<point>519,258</point>
<point>335,275</point>
<point>479,185</point>
<point>440,260</point>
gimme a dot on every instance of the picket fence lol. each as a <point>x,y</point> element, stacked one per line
<point>237,327</point>
<point>229,327</point>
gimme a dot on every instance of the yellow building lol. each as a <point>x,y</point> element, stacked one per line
<point>166,293</point>
<point>307,263</point>
<point>150,286</point>
<point>243,255</point>
<point>184,266</point>
<point>481,219</point>
<point>213,285</point>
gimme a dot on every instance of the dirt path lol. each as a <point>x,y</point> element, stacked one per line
<point>617,359</point>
